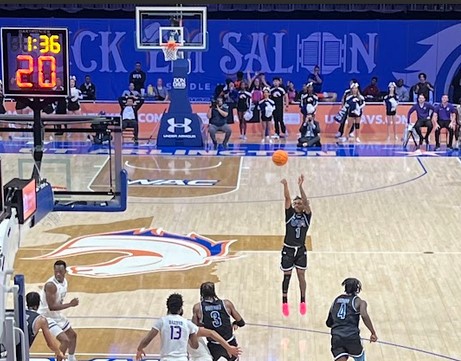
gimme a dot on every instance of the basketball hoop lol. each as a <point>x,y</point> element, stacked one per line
<point>170,50</point>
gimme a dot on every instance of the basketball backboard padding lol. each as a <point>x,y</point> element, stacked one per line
<point>193,20</point>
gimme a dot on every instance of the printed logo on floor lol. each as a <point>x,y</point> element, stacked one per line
<point>140,251</point>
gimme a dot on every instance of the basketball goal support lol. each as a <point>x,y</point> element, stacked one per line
<point>179,125</point>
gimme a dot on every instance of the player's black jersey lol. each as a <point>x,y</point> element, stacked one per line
<point>31,316</point>
<point>215,317</point>
<point>277,95</point>
<point>297,225</point>
<point>344,317</point>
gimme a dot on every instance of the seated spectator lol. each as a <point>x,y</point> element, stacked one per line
<point>444,117</point>
<point>88,89</point>
<point>423,87</point>
<point>310,131</point>
<point>292,93</point>
<point>316,79</point>
<point>160,93</point>
<point>217,114</point>
<point>131,92</point>
<point>129,113</point>
<point>403,95</point>
<point>424,113</point>
<point>371,92</point>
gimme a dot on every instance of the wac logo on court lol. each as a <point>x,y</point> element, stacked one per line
<point>141,251</point>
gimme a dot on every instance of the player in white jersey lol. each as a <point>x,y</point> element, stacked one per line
<point>52,302</point>
<point>202,353</point>
<point>175,332</point>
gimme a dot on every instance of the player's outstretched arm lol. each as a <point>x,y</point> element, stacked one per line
<point>306,203</point>
<point>42,324</point>
<point>144,343</point>
<point>286,193</point>
<point>193,340</point>
<point>363,309</point>
<point>51,294</point>
<point>232,351</point>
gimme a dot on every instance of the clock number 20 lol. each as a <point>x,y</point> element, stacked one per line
<point>29,69</point>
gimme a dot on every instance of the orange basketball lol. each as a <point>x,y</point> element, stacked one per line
<point>280,157</point>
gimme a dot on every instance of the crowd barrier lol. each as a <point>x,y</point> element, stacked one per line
<point>373,118</point>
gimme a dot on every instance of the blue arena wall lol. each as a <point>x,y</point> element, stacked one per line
<point>389,49</point>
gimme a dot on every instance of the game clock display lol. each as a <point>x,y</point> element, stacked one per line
<point>35,62</point>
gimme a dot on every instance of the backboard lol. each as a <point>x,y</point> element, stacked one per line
<point>156,25</point>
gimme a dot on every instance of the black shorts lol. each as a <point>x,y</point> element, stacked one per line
<point>217,351</point>
<point>391,113</point>
<point>20,105</point>
<point>341,347</point>
<point>293,257</point>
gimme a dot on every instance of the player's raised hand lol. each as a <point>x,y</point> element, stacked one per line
<point>140,354</point>
<point>301,179</point>
<point>234,351</point>
<point>373,338</point>
<point>284,182</point>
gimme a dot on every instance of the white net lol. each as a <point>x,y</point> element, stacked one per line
<point>170,51</point>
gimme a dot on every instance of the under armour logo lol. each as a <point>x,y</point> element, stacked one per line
<point>174,125</point>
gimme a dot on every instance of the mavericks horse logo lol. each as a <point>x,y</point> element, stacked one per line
<point>141,251</point>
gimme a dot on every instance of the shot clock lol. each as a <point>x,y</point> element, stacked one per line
<point>35,62</point>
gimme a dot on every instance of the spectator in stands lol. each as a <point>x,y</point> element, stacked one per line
<point>129,113</point>
<point>444,117</point>
<point>217,114</point>
<point>73,101</point>
<point>131,92</point>
<point>260,78</point>
<point>243,105</point>
<point>423,87</point>
<point>291,91</point>
<point>355,103</point>
<point>371,92</point>
<point>316,79</point>
<point>60,107</point>
<point>423,111</point>
<point>2,98</point>
<point>138,78</point>
<point>402,92</point>
<point>390,102</point>
<point>88,89</point>
<point>239,80</point>
<point>160,93</point>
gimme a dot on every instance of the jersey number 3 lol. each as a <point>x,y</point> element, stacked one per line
<point>216,316</point>
<point>175,332</point>
<point>342,311</point>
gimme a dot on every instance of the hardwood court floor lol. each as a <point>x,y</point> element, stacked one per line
<point>392,222</point>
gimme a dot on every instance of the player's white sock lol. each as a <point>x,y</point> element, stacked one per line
<point>71,358</point>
